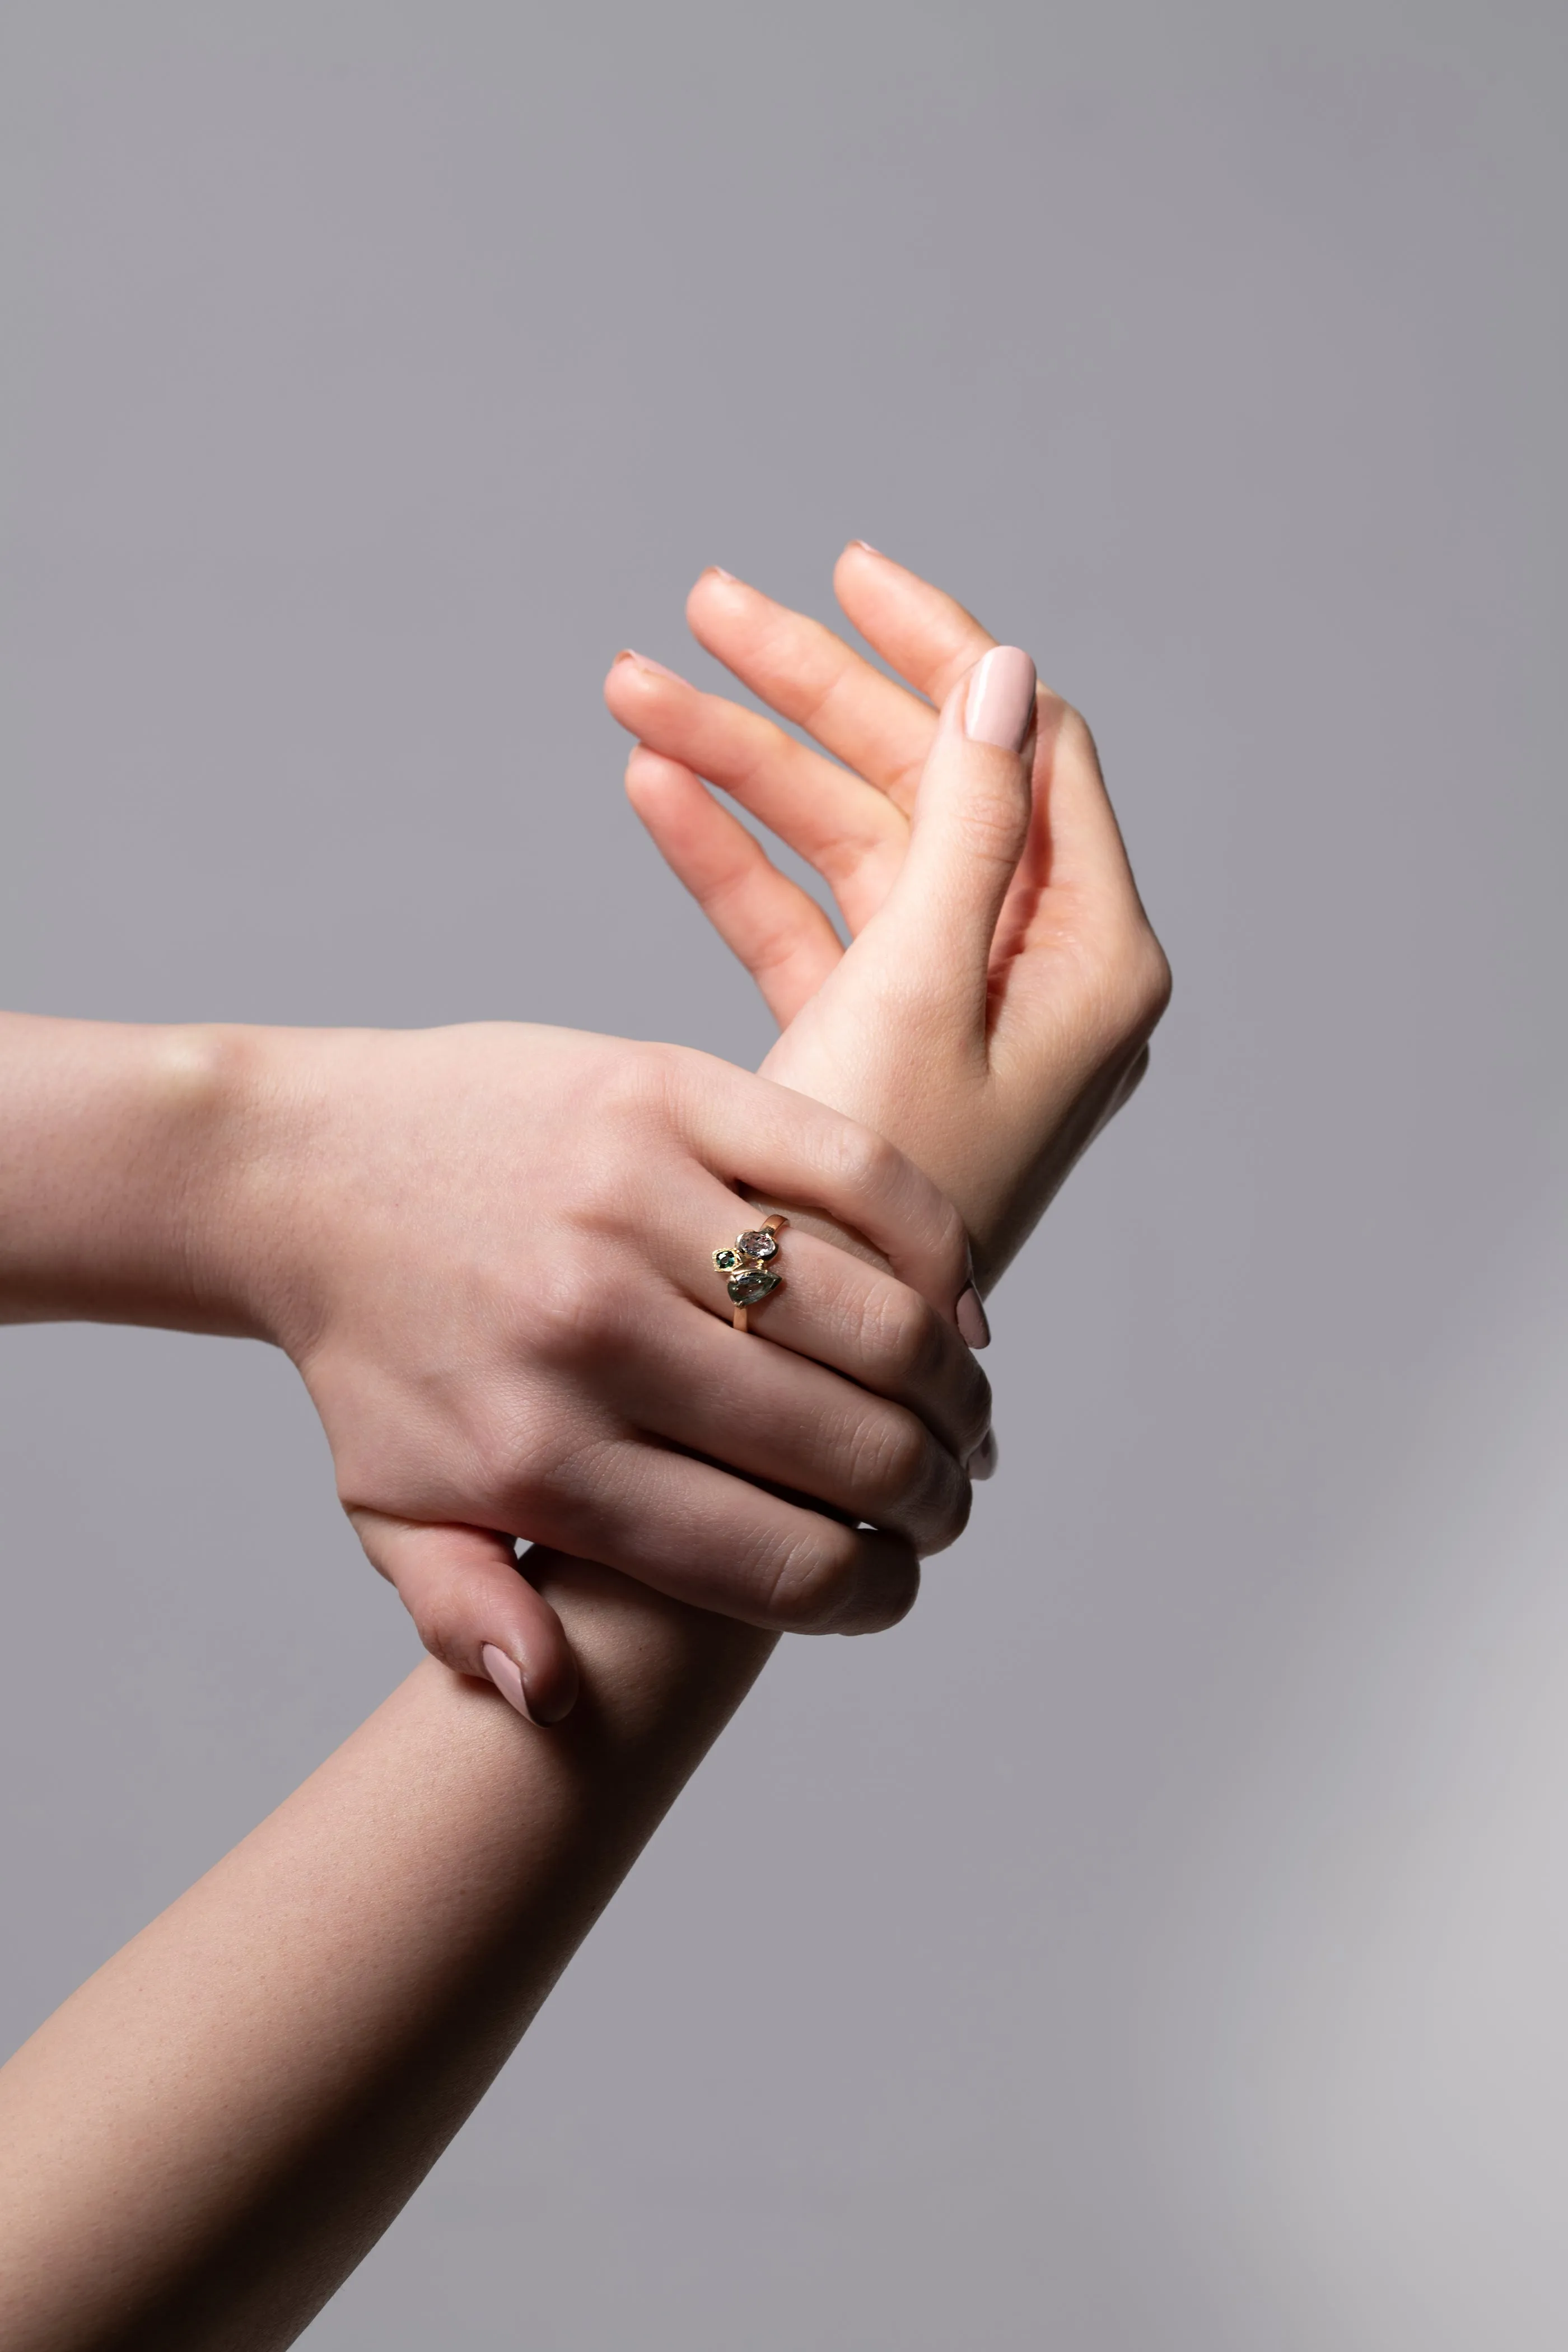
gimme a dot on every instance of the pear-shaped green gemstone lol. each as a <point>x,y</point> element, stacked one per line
<point>753,1281</point>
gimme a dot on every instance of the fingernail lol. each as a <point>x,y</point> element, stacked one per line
<point>720,573</point>
<point>507,1678</point>
<point>867,546</point>
<point>972,1319</point>
<point>1001,699</point>
<point>981,1462</point>
<point>647,661</point>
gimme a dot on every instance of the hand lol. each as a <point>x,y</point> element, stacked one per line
<point>489,1251</point>
<point>995,1073</point>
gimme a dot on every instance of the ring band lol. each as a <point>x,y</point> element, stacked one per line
<point>747,1268</point>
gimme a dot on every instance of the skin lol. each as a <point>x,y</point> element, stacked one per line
<point>203,2142</point>
<point>1032,1045</point>
<point>478,1246</point>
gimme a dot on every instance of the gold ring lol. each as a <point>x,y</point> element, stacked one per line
<point>747,1266</point>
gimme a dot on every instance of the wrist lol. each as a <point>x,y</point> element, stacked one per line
<point>262,1202</point>
<point>113,1173</point>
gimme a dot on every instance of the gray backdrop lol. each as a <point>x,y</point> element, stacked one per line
<point>1160,1941</point>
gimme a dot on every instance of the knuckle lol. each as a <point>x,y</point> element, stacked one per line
<point>575,1319</point>
<point>903,1337</point>
<point>1126,983</point>
<point>930,1498</point>
<point>1072,732</point>
<point>814,1580</point>
<point>442,1625</point>
<point>904,1479</point>
<point>991,827</point>
<point>554,1491</point>
<point>1143,981</point>
<point>888,1458</point>
<point>867,1162</point>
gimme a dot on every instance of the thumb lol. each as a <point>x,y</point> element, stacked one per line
<point>475,1610</point>
<point>971,823</point>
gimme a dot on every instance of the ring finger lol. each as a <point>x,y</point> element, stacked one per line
<point>770,1415</point>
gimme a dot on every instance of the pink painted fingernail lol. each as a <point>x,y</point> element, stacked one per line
<point>507,1678</point>
<point>972,1319</point>
<point>1001,699</point>
<point>647,661</point>
<point>981,1462</point>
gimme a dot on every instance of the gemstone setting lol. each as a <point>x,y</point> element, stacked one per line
<point>760,1245</point>
<point>751,1283</point>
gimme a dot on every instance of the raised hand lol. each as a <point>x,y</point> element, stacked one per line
<point>1033,1062</point>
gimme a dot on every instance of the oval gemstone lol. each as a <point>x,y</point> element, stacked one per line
<point>758,1244</point>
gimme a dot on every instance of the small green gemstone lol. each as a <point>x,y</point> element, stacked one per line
<point>725,1259</point>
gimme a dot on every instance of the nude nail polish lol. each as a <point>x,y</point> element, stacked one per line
<point>507,1678</point>
<point>720,573</point>
<point>868,547</point>
<point>647,661</point>
<point>1001,699</point>
<point>972,1321</point>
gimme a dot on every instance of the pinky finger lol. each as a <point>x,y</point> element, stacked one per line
<point>781,935</point>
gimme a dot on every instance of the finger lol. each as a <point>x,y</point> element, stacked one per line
<point>474,1610</point>
<point>850,1319</point>
<point>767,1413</point>
<point>929,638</point>
<point>765,1140</point>
<point>781,935</point>
<point>926,636</point>
<point>972,822</point>
<point>812,677</point>
<point>854,1320</point>
<point>697,1535</point>
<point>843,826</point>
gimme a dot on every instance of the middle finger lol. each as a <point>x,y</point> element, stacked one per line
<point>769,1414</point>
<point>810,676</point>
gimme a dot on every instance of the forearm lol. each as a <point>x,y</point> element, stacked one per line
<point>203,2142</point>
<point>234,2108</point>
<point>112,1144</point>
<point>346,1984</point>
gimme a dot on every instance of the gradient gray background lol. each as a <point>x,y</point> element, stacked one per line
<point>1163,1939</point>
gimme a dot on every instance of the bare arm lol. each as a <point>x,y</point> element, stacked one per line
<point>203,2142</point>
<point>230,2112</point>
